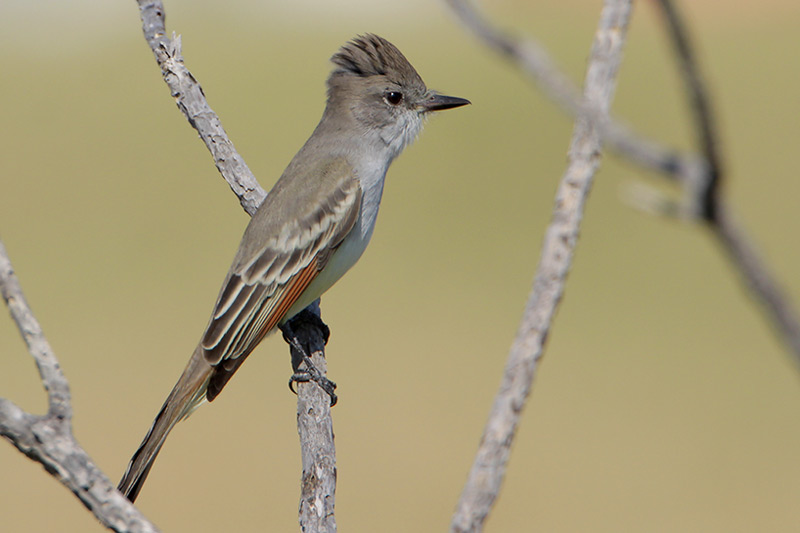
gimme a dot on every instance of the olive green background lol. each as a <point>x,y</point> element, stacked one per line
<point>664,402</point>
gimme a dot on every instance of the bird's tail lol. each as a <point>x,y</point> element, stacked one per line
<point>189,392</point>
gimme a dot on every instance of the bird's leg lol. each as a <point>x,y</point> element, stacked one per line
<point>306,320</point>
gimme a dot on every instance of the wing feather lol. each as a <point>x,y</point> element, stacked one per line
<point>267,320</point>
<point>262,287</point>
<point>225,316</point>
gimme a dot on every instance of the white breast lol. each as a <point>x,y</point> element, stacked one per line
<point>352,246</point>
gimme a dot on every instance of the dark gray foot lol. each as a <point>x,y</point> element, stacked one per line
<point>300,352</point>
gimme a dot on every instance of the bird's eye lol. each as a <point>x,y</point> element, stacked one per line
<point>394,97</point>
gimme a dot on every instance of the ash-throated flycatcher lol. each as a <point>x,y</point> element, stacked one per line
<point>313,226</point>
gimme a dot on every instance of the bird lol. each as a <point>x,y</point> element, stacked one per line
<point>312,227</point>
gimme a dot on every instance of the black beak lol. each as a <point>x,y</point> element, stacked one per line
<point>438,102</point>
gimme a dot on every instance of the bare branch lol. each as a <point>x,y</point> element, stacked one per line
<point>54,381</point>
<point>192,102</point>
<point>704,192</point>
<point>315,427</point>
<point>757,277</point>
<point>706,195</point>
<point>533,60</point>
<point>48,439</point>
<point>560,240</point>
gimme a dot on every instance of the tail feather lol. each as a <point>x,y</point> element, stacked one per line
<point>189,392</point>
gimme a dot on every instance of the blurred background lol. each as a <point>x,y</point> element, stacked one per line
<point>664,402</point>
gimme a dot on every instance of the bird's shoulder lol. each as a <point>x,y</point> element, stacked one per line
<point>309,200</point>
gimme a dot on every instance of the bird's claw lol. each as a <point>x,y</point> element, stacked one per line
<point>311,374</point>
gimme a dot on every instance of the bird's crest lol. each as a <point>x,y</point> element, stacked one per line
<point>371,55</point>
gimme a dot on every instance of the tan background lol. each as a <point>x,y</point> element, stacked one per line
<point>665,403</point>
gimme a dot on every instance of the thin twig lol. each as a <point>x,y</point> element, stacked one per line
<point>532,58</point>
<point>192,102</point>
<point>488,470</point>
<point>756,276</point>
<point>315,424</point>
<point>59,402</point>
<point>705,192</point>
<point>48,439</point>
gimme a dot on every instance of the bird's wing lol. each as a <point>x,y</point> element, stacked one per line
<point>262,287</point>
<point>286,245</point>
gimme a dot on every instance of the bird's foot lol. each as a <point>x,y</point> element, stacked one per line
<point>300,353</point>
<point>310,373</point>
